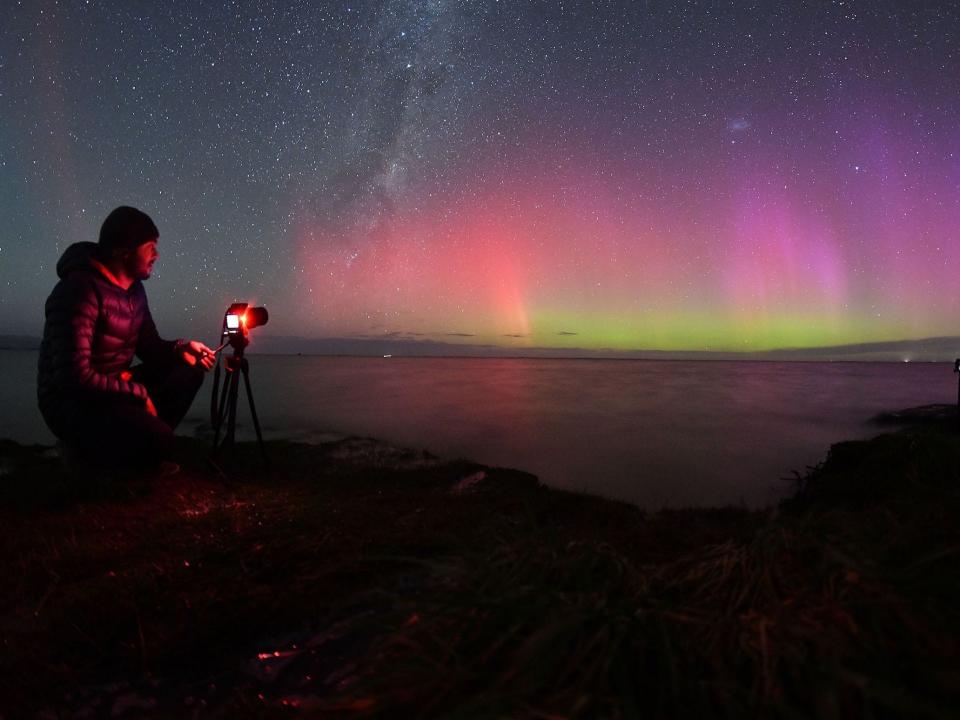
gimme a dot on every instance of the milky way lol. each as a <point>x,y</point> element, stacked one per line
<point>624,175</point>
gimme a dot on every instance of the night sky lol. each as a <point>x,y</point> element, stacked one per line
<point>663,175</point>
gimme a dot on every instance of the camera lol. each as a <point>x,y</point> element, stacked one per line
<point>240,318</point>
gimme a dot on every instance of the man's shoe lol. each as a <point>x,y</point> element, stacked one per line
<point>70,455</point>
<point>167,468</point>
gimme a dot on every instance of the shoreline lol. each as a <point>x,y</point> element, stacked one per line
<point>359,578</point>
<point>778,356</point>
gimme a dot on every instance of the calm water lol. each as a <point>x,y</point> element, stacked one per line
<point>652,432</point>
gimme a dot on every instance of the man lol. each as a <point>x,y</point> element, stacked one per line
<point>105,412</point>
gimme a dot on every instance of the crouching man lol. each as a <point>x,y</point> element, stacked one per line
<point>105,412</point>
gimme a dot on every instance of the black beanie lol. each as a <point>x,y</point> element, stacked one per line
<point>126,227</point>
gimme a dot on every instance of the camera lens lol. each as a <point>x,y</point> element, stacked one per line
<point>256,317</point>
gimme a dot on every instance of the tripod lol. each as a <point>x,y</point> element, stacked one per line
<point>235,365</point>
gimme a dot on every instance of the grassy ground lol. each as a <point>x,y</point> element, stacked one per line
<point>358,580</point>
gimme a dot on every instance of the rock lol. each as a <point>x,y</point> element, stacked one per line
<point>469,483</point>
<point>918,415</point>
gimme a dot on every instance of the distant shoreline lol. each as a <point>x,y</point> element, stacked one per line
<point>850,361</point>
<point>928,350</point>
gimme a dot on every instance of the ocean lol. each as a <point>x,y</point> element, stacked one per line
<point>655,433</point>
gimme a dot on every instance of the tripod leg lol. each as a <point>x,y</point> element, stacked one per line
<point>221,410</point>
<point>214,396</point>
<point>232,408</point>
<point>245,366</point>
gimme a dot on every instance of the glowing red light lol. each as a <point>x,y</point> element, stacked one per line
<point>277,654</point>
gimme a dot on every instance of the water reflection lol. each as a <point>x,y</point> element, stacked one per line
<point>655,433</point>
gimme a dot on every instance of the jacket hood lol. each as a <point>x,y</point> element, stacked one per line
<point>76,257</point>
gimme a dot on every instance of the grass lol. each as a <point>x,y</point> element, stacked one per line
<point>354,579</point>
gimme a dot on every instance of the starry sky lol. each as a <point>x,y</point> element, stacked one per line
<point>624,175</point>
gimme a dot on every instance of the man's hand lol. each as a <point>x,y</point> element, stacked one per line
<point>150,407</point>
<point>196,350</point>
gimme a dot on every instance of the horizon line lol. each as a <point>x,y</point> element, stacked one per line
<point>367,346</point>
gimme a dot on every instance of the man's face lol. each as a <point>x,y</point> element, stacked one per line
<point>140,261</point>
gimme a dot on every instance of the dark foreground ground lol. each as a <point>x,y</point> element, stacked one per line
<point>354,579</point>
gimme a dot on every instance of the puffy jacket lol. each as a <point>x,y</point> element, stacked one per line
<point>92,331</point>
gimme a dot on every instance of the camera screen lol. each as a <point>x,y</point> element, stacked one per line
<point>233,322</point>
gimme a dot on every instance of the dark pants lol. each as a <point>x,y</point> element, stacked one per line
<point>114,430</point>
